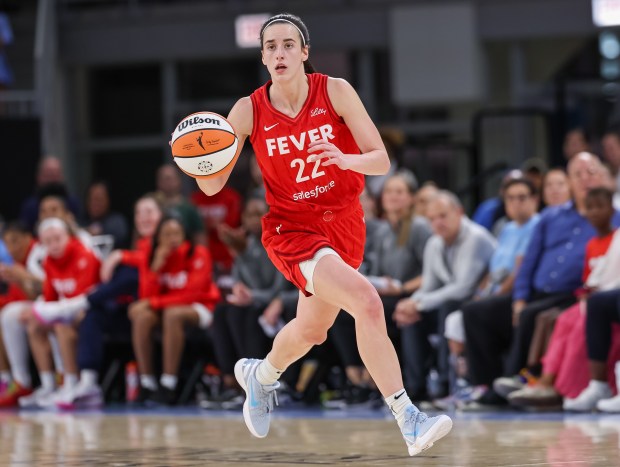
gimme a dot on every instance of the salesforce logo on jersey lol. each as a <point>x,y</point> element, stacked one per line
<point>315,192</point>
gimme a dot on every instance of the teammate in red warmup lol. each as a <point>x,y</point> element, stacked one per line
<point>314,142</point>
<point>175,290</point>
<point>71,270</point>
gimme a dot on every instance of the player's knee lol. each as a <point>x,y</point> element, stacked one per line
<point>314,336</point>
<point>369,305</point>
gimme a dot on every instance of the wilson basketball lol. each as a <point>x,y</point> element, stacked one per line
<point>204,145</point>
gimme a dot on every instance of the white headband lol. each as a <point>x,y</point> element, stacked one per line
<point>303,39</point>
<point>52,222</point>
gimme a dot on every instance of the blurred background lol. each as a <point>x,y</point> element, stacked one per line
<point>465,88</point>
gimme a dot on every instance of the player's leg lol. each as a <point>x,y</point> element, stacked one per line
<point>259,377</point>
<point>342,286</point>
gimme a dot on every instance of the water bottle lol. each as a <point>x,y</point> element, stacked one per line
<point>132,382</point>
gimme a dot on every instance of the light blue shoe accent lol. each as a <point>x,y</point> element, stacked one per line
<point>421,431</point>
<point>260,399</point>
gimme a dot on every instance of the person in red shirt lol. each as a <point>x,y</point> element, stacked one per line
<point>223,208</point>
<point>314,142</point>
<point>70,270</point>
<point>175,290</point>
<point>106,308</point>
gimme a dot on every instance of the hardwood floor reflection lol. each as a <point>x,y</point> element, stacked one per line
<point>46,439</point>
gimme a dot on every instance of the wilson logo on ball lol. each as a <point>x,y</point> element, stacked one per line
<point>204,145</point>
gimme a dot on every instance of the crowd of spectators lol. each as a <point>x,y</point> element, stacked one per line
<point>517,305</point>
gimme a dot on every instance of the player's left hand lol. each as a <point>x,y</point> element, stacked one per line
<point>323,149</point>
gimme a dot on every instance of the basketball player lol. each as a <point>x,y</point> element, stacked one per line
<point>314,142</point>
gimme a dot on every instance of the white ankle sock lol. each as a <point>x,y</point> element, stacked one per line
<point>168,381</point>
<point>47,380</point>
<point>266,373</point>
<point>70,380</point>
<point>89,378</point>
<point>398,403</point>
<point>148,382</point>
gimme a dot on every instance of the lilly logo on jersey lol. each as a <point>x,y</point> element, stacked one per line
<point>64,287</point>
<point>174,281</point>
<point>196,120</point>
<point>317,111</point>
<point>300,141</point>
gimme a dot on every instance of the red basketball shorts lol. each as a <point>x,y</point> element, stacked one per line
<point>293,238</point>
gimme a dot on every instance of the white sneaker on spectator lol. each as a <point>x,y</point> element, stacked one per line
<point>589,397</point>
<point>612,405</point>
<point>81,396</point>
<point>34,400</point>
<point>508,384</point>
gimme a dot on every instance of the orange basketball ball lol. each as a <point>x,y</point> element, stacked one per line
<point>204,145</point>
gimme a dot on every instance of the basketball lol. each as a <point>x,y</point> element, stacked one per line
<point>204,145</point>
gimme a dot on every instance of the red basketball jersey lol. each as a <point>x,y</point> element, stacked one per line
<point>281,145</point>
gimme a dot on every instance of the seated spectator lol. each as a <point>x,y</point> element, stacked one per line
<point>55,206</point>
<point>50,180</point>
<point>257,284</point>
<point>169,194</point>
<point>565,361</point>
<point>70,269</point>
<point>176,290</point>
<point>106,308</point>
<point>489,212</point>
<point>556,188</point>
<point>456,258</point>
<point>534,170</point>
<point>222,208</point>
<point>101,220</point>
<point>603,311</point>
<point>611,153</point>
<point>576,140</point>
<point>521,202</point>
<point>395,269</point>
<point>14,325</point>
<point>19,284</point>
<point>425,194</point>
<point>547,278</point>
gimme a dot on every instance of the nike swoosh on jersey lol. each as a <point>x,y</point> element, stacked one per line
<point>267,128</point>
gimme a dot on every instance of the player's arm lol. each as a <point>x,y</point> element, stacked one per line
<point>241,119</point>
<point>374,159</point>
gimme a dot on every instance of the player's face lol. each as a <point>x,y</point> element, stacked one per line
<point>283,52</point>
<point>171,234</point>
<point>55,239</point>
<point>146,217</point>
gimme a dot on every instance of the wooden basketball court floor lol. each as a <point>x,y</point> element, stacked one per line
<point>191,437</point>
